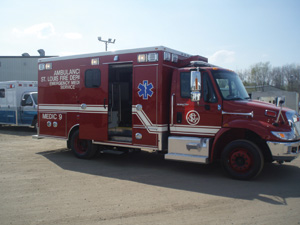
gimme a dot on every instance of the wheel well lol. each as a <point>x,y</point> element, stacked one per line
<point>72,130</point>
<point>235,134</point>
<point>33,121</point>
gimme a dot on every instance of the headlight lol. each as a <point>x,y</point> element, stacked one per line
<point>288,136</point>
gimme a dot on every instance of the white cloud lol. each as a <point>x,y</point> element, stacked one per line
<point>42,31</point>
<point>72,36</point>
<point>222,56</point>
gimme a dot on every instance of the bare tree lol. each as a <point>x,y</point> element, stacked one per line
<point>286,77</point>
<point>260,74</point>
<point>277,77</point>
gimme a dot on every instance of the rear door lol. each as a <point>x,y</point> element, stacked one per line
<point>120,103</point>
<point>93,104</point>
<point>203,118</point>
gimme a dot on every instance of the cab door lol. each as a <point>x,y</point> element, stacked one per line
<point>202,118</point>
<point>93,106</point>
<point>28,111</point>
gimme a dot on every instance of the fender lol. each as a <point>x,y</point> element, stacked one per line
<point>76,126</point>
<point>260,128</point>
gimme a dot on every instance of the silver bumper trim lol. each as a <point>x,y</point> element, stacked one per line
<point>284,151</point>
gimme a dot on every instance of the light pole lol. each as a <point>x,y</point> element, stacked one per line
<point>109,41</point>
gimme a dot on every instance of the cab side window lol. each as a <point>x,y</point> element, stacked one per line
<point>92,78</point>
<point>185,89</point>
<point>208,91</point>
<point>27,101</point>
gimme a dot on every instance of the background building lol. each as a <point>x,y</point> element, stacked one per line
<point>23,67</point>
<point>269,94</point>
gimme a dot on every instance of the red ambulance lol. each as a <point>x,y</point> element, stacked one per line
<point>164,100</point>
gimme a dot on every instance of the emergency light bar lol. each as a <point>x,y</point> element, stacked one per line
<point>95,61</point>
<point>174,58</point>
<point>45,66</point>
<point>48,66</point>
<point>167,56</point>
<point>150,57</point>
<point>142,58</point>
<point>42,66</point>
<point>153,57</point>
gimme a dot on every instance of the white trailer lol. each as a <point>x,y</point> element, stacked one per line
<point>18,103</point>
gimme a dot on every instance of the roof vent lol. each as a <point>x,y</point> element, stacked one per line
<point>25,54</point>
<point>41,52</point>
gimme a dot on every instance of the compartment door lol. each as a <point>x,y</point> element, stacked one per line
<point>93,104</point>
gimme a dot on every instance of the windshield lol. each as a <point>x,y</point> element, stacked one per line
<point>230,85</point>
<point>35,98</point>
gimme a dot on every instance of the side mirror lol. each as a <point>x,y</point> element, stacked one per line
<point>195,86</point>
<point>23,102</point>
<point>280,101</point>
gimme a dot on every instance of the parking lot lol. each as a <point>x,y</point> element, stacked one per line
<point>41,182</point>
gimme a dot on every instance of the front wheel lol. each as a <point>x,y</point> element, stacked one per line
<point>35,124</point>
<point>242,160</point>
<point>83,149</point>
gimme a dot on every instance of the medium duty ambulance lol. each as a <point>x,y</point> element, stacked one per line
<point>164,100</point>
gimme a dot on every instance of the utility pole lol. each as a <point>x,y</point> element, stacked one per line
<point>109,41</point>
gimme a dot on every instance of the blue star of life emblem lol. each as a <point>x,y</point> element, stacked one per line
<point>145,90</point>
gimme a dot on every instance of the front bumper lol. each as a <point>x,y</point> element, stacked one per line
<point>284,151</point>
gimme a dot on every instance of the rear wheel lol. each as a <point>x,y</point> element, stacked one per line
<point>81,148</point>
<point>242,160</point>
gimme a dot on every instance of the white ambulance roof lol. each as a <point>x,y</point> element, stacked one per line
<point>136,50</point>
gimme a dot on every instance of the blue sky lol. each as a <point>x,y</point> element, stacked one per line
<point>232,33</point>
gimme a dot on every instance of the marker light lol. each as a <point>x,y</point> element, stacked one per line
<point>48,66</point>
<point>284,135</point>
<point>270,113</point>
<point>95,61</point>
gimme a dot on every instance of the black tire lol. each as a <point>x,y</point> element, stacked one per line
<point>83,149</point>
<point>35,124</point>
<point>242,160</point>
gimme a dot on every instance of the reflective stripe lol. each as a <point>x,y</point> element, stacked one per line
<point>73,108</point>
<point>195,130</point>
<point>147,124</point>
